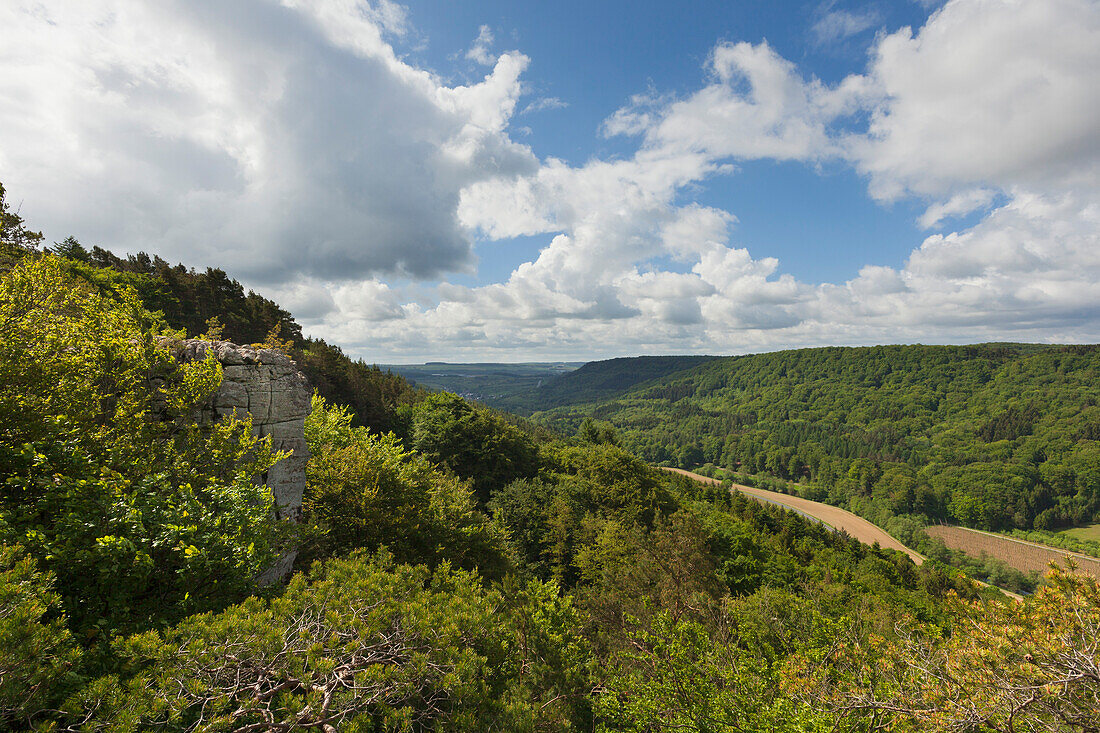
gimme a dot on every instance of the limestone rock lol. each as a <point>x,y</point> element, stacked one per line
<point>266,384</point>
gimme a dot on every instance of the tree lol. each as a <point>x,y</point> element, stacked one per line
<point>105,478</point>
<point>360,644</point>
<point>523,507</point>
<point>474,443</point>
<point>37,652</point>
<point>1004,666</point>
<point>365,491</point>
<point>70,247</point>
<point>676,677</point>
<point>15,239</point>
<point>596,433</point>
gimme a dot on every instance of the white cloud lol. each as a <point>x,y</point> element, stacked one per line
<point>758,106</point>
<point>217,127</point>
<point>960,204</point>
<point>1028,270</point>
<point>995,93</point>
<point>479,52</point>
<point>544,103</point>
<point>250,134</point>
<point>833,26</point>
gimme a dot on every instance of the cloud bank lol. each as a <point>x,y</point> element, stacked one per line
<point>275,139</point>
<point>290,143</point>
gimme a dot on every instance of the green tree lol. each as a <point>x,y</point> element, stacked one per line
<point>71,247</point>
<point>596,433</point>
<point>15,239</point>
<point>366,491</point>
<point>677,677</point>
<point>474,443</point>
<point>106,479</point>
<point>358,644</point>
<point>37,652</point>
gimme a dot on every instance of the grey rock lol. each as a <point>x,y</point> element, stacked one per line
<point>267,385</point>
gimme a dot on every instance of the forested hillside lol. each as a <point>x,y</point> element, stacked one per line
<point>598,380</point>
<point>994,436</point>
<point>458,573</point>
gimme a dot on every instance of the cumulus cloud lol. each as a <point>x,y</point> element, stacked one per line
<point>758,106</point>
<point>989,93</point>
<point>276,139</point>
<point>934,102</point>
<point>245,150</point>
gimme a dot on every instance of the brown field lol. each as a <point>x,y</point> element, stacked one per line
<point>835,517</point>
<point>1024,556</point>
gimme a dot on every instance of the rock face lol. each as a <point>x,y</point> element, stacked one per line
<point>266,384</point>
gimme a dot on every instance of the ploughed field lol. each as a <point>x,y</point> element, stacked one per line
<point>1024,556</point>
<point>835,517</point>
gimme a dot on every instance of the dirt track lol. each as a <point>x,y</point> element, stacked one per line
<point>836,518</point>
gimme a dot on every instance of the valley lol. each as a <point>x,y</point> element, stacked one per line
<point>406,366</point>
<point>833,517</point>
<point>491,384</point>
<point>173,501</point>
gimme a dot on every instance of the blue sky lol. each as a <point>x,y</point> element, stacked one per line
<point>592,56</point>
<point>517,181</point>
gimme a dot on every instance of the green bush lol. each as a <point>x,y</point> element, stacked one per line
<point>365,491</point>
<point>37,652</point>
<point>106,480</point>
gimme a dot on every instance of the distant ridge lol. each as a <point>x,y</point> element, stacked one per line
<point>601,380</point>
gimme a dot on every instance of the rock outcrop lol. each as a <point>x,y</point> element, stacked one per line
<point>266,384</point>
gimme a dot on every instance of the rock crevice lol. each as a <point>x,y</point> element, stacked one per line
<point>267,385</point>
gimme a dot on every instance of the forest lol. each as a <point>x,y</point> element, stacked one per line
<point>992,436</point>
<point>596,381</point>
<point>463,569</point>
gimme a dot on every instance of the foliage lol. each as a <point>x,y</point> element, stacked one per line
<point>994,436</point>
<point>375,397</point>
<point>366,491</point>
<point>592,432</point>
<point>37,652</point>
<point>596,381</point>
<point>16,241</point>
<point>359,644</point>
<point>189,300</point>
<point>141,514</point>
<point>1003,667</point>
<point>676,677</point>
<point>601,595</point>
<point>472,442</point>
<point>362,644</point>
<point>553,665</point>
<point>493,384</point>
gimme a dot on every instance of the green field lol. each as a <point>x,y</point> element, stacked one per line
<point>1089,533</point>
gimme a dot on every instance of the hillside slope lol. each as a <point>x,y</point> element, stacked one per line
<point>600,380</point>
<point>994,435</point>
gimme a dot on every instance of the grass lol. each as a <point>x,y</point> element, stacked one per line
<point>1089,533</point>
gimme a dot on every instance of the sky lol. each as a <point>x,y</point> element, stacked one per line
<point>521,180</point>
